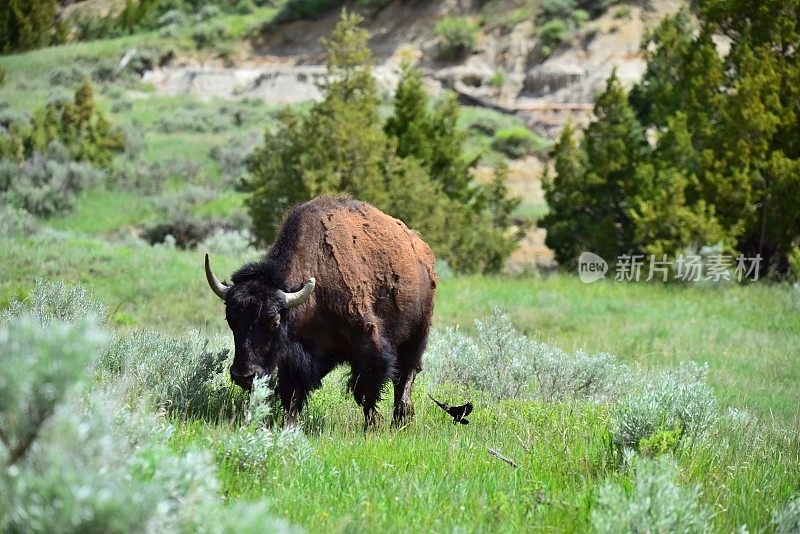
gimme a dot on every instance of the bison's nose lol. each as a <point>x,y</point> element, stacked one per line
<point>243,377</point>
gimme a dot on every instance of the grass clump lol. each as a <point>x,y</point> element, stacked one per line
<point>458,36</point>
<point>656,503</point>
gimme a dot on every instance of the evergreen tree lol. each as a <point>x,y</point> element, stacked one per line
<point>25,24</point>
<point>411,122</point>
<point>668,216</point>
<point>726,165</point>
<point>614,144</point>
<point>570,217</point>
<point>80,126</point>
<point>338,147</point>
<point>411,168</point>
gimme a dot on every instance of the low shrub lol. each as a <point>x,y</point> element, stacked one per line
<point>553,34</point>
<point>152,176</point>
<point>251,445</point>
<point>668,400</point>
<point>83,456</point>
<point>16,222</point>
<point>45,187</point>
<point>209,35</point>
<point>517,142</point>
<point>656,503</point>
<point>49,302</point>
<point>238,243</point>
<point>787,519</point>
<point>186,376</point>
<point>506,364</point>
<point>105,71</point>
<point>208,12</point>
<point>173,17</point>
<point>232,158</point>
<point>498,79</point>
<point>186,231</point>
<point>458,37</point>
<point>192,119</point>
<point>67,75</point>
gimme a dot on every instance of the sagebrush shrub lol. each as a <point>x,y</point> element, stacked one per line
<point>667,400</point>
<point>186,376</point>
<point>49,302</point>
<point>16,222</point>
<point>787,519</point>
<point>67,75</point>
<point>655,504</point>
<point>95,458</point>
<point>506,364</point>
<point>251,445</point>
<point>40,365</point>
<point>237,243</point>
<point>44,186</point>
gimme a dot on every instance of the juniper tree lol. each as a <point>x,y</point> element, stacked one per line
<point>412,168</point>
<point>591,202</point>
<point>25,24</point>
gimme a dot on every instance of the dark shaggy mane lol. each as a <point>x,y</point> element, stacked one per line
<point>249,271</point>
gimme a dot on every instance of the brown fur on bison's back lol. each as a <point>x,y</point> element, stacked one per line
<point>362,258</point>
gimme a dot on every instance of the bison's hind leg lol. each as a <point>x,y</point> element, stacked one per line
<point>372,367</point>
<point>409,357</point>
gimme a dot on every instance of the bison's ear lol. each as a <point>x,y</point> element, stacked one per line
<point>292,300</point>
<point>219,289</point>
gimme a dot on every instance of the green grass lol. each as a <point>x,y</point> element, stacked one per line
<point>531,211</point>
<point>99,212</point>
<point>433,476</point>
<point>753,355</point>
<point>143,286</point>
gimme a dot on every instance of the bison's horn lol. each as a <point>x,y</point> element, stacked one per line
<point>297,298</point>
<point>217,287</point>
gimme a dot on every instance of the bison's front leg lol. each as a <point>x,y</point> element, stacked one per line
<point>292,411</point>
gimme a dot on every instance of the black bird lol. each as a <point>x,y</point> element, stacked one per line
<point>458,413</point>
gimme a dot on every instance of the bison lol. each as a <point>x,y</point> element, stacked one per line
<point>342,283</point>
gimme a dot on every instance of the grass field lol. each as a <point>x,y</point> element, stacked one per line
<point>525,462</point>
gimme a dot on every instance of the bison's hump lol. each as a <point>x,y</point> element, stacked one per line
<point>376,256</point>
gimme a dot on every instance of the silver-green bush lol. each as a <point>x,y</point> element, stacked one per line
<point>78,455</point>
<point>56,301</point>
<point>43,186</point>
<point>186,376</point>
<point>251,445</point>
<point>16,222</point>
<point>506,364</point>
<point>667,400</point>
<point>787,519</point>
<point>656,503</point>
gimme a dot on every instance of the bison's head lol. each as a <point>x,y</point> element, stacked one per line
<point>255,313</point>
